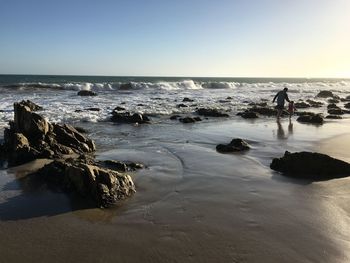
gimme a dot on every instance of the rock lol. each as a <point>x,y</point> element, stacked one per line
<point>335,111</point>
<point>211,113</point>
<point>31,105</point>
<point>236,145</point>
<point>336,117</point>
<point>229,98</point>
<point>332,106</point>
<point>175,117</point>
<point>126,117</point>
<point>347,105</point>
<point>187,120</point>
<point>315,104</point>
<point>313,119</point>
<point>32,125</point>
<point>333,100</point>
<point>86,93</point>
<point>181,105</point>
<point>106,187</point>
<point>258,104</point>
<point>325,94</point>
<point>302,105</point>
<point>310,166</point>
<point>116,165</point>
<point>93,109</point>
<point>68,136</point>
<point>187,100</point>
<point>119,108</point>
<point>126,86</point>
<point>266,111</point>
<point>249,115</point>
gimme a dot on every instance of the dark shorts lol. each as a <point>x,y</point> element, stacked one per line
<point>279,107</point>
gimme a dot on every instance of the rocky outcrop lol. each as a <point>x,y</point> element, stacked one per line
<point>104,186</point>
<point>236,145</point>
<point>211,113</point>
<point>312,119</point>
<point>315,166</point>
<point>127,117</point>
<point>31,105</point>
<point>332,100</point>
<point>315,104</point>
<point>86,93</point>
<point>30,137</point>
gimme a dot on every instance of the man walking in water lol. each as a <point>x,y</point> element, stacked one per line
<point>281,97</point>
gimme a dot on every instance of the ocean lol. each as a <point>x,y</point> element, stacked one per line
<point>159,97</point>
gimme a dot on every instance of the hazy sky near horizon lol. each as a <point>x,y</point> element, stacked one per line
<point>232,38</point>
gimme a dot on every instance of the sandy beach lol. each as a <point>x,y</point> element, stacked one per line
<point>192,204</point>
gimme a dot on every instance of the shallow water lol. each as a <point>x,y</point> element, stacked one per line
<point>192,203</point>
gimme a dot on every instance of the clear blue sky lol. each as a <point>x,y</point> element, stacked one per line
<point>301,38</point>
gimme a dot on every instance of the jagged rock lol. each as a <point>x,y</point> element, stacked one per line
<point>211,113</point>
<point>31,124</point>
<point>236,145</point>
<point>325,94</point>
<point>315,104</point>
<point>30,137</point>
<point>310,165</point>
<point>336,117</point>
<point>187,100</point>
<point>313,119</point>
<point>31,105</point>
<point>126,117</point>
<point>302,105</point>
<point>86,93</point>
<point>106,187</point>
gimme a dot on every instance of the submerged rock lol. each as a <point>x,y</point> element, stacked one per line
<point>236,145</point>
<point>248,115</point>
<point>187,100</point>
<point>310,165</point>
<point>127,117</point>
<point>86,93</point>
<point>211,113</point>
<point>315,104</point>
<point>190,119</point>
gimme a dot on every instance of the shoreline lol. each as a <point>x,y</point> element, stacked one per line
<point>192,203</point>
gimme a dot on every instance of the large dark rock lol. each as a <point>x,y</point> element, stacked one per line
<point>31,105</point>
<point>30,137</point>
<point>313,119</point>
<point>86,93</point>
<point>332,100</point>
<point>127,117</point>
<point>236,145</point>
<point>334,117</point>
<point>211,113</point>
<point>310,165</point>
<point>187,100</point>
<point>325,94</point>
<point>106,187</point>
<point>335,111</point>
<point>347,105</point>
<point>190,119</point>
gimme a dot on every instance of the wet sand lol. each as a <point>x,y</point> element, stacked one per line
<point>192,203</point>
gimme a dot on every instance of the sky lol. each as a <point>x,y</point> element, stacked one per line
<point>203,38</point>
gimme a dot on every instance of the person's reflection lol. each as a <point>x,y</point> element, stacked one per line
<point>290,127</point>
<point>281,135</point>
<point>280,131</point>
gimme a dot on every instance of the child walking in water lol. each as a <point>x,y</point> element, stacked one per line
<point>291,109</point>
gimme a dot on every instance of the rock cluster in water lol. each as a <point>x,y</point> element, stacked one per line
<point>31,137</point>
